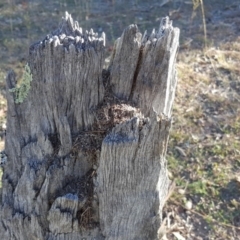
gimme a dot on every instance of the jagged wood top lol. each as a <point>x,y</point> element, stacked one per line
<point>70,35</point>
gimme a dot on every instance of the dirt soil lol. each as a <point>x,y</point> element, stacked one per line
<point>204,147</point>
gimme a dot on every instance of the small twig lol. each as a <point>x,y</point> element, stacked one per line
<point>170,190</point>
<point>204,24</point>
<point>82,215</point>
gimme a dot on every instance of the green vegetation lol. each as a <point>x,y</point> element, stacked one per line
<point>22,90</point>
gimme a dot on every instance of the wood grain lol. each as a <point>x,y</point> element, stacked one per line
<point>86,148</point>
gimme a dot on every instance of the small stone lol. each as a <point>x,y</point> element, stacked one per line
<point>181,191</point>
<point>188,205</point>
<point>188,212</point>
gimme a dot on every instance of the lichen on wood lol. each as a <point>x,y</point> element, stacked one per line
<point>22,90</point>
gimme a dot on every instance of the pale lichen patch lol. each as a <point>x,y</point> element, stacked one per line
<point>22,90</point>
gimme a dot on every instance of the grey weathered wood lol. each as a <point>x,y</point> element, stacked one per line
<point>86,148</point>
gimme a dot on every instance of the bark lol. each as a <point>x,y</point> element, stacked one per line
<point>86,148</point>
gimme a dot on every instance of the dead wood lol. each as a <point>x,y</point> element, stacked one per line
<point>86,148</point>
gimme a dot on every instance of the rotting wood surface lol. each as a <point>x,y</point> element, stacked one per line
<point>86,148</point>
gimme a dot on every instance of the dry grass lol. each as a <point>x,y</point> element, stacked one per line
<point>204,148</point>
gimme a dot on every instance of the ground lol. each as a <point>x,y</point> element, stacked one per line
<point>204,146</point>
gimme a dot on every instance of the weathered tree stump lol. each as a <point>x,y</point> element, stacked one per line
<point>86,147</point>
